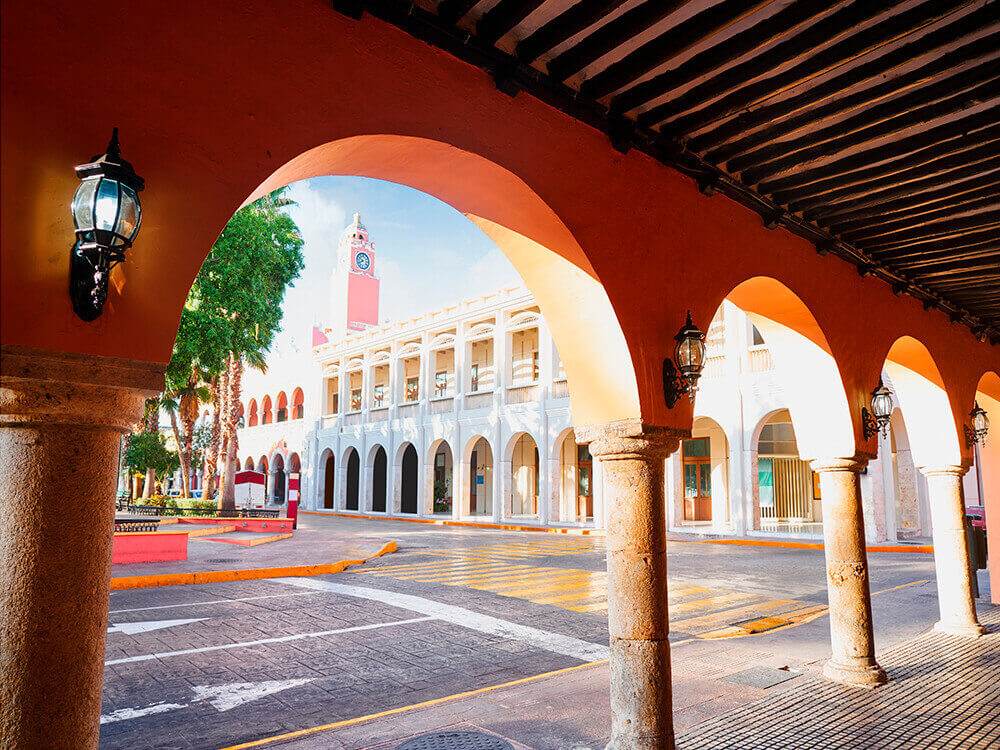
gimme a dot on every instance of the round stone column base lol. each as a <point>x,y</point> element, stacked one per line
<point>863,673</point>
<point>964,629</point>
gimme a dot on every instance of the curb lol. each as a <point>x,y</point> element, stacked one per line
<point>470,524</point>
<point>252,574</point>
<point>922,548</point>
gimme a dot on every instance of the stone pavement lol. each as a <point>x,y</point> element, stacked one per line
<point>943,695</point>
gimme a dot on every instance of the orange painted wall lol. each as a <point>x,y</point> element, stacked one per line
<point>212,101</point>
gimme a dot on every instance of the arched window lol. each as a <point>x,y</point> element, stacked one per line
<point>266,416</point>
<point>282,414</point>
<point>298,404</point>
<point>253,421</point>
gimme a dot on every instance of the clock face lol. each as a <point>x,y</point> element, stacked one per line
<point>362,261</point>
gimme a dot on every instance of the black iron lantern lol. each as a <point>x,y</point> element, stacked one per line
<point>877,420</point>
<point>689,355</point>
<point>106,213</point>
<point>976,435</point>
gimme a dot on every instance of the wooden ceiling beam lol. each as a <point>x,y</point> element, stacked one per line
<point>900,256</point>
<point>564,26</point>
<point>736,94</point>
<point>920,115</point>
<point>946,227</point>
<point>832,89</point>
<point>868,228</point>
<point>915,164</point>
<point>918,192</point>
<point>667,45</point>
<point>966,260</point>
<point>965,241</point>
<point>453,11</point>
<point>755,37</point>
<point>503,17</point>
<point>891,110</point>
<point>614,33</point>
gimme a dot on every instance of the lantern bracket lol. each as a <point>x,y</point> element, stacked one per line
<point>675,385</point>
<point>868,423</point>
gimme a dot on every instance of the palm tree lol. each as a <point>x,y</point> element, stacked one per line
<point>231,415</point>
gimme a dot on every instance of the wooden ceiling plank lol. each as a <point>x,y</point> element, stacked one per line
<point>915,217</point>
<point>503,17</point>
<point>757,36</point>
<point>900,123</point>
<point>772,148</point>
<point>453,11</point>
<point>611,35</point>
<point>926,45</point>
<point>736,94</point>
<point>564,26</point>
<point>915,164</point>
<point>670,43</point>
<point>919,192</point>
<point>949,226</point>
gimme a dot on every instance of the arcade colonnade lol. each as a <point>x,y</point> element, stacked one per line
<point>600,256</point>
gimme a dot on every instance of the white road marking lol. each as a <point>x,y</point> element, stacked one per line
<point>554,642</point>
<point>226,697</point>
<point>211,601</point>
<point>126,714</point>
<point>131,628</point>
<point>221,697</point>
<point>245,644</point>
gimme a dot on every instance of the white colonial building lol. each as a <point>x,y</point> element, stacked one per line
<point>464,413</point>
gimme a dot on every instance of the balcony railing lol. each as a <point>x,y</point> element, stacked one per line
<point>378,415</point>
<point>442,405</point>
<point>352,418</point>
<point>560,389</point>
<point>479,400</point>
<point>407,411</point>
<point>522,394</point>
<point>330,420</point>
<point>715,367</point>
<point>759,360</point>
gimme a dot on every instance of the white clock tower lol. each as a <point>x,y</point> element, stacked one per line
<point>354,287</point>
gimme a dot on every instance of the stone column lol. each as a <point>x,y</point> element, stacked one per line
<point>951,555</point>
<point>61,421</point>
<point>851,633</point>
<point>632,455</point>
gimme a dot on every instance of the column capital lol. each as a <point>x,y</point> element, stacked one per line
<point>39,386</point>
<point>630,439</point>
<point>854,464</point>
<point>955,470</point>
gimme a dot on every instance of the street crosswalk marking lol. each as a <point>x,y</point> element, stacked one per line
<point>707,613</point>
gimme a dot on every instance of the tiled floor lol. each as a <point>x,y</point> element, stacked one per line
<point>942,694</point>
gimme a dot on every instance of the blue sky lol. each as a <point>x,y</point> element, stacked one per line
<point>427,255</point>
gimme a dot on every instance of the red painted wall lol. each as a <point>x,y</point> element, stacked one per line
<point>213,100</point>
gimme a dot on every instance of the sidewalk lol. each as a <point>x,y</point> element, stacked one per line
<point>942,694</point>
<point>324,550</point>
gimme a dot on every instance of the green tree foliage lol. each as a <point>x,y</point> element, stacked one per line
<point>148,450</point>
<point>234,308</point>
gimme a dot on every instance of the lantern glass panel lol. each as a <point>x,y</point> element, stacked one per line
<point>83,204</point>
<point>690,354</point>
<point>106,207</point>
<point>130,215</point>
<point>882,404</point>
<point>980,422</point>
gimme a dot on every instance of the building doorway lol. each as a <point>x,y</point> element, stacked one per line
<point>787,488</point>
<point>525,477</point>
<point>441,489</point>
<point>481,479</point>
<point>279,480</point>
<point>329,477</point>
<point>353,477</point>
<point>408,491</point>
<point>379,465</point>
<point>697,461</point>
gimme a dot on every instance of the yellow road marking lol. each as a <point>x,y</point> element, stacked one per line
<point>517,577</point>
<point>556,584</point>
<point>600,591</point>
<point>404,709</point>
<point>710,602</point>
<point>529,584</point>
<point>595,607</point>
<point>705,622</point>
<point>445,574</point>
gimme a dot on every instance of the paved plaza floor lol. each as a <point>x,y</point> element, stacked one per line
<point>506,633</point>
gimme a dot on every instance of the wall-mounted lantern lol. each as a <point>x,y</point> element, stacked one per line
<point>689,355</point>
<point>877,420</point>
<point>976,435</point>
<point>106,213</point>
